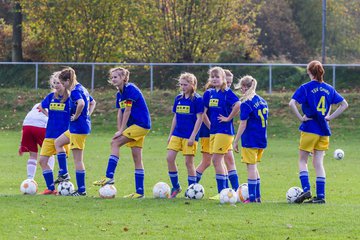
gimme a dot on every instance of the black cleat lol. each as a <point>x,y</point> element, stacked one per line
<point>77,194</point>
<point>62,178</point>
<point>316,200</point>
<point>302,197</point>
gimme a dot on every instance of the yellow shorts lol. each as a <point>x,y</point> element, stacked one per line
<point>48,148</point>
<point>310,142</point>
<point>220,143</point>
<point>205,144</point>
<point>77,141</point>
<point>251,155</point>
<point>181,144</point>
<point>137,134</point>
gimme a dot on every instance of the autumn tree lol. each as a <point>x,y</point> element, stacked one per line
<point>79,31</point>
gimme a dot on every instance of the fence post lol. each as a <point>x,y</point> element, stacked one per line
<point>270,79</point>
<point>334,76</point>
<point>36,75</point>
<point>151,78</point>
<point>92,76</point>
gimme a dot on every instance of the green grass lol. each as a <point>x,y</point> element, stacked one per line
<point>52,217</point>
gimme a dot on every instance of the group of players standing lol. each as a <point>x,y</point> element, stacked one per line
<point>208,118</point>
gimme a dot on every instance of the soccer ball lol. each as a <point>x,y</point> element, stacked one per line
<point>339,154</point>
<point>243,192</point>
<point>228,195</point>
<point>107,191</point>
<point>29,186</point>
<point>195,191</point>
<point>292,194</point>
<point>65,188</point>
<point>161,190</point>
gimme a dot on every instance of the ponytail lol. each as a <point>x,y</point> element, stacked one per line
<point>316,69</point>
<point>250,83</point>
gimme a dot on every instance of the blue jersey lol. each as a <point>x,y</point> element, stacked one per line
<point>59,115</point>
<point>256,112</point>
<point>315,99</point>
<point>82,125</point>
<point>220,102</point>
<point>132,96</point>
<point>185,110</point>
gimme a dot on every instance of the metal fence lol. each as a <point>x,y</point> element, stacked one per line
<point>271,76</point>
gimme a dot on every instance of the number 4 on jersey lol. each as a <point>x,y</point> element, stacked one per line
<point>321,106</point>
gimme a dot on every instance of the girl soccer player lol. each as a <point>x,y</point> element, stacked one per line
<point>188,108</point>
<point>222,105</point>
<point>58,111</point>
<point>315,98</point>
<point>133,122</point>
<point>32,135</point>
<point>229,160</point>
<point>81,107</point>
<point>252,130</point>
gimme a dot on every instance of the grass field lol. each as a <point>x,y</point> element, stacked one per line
<point>53,217</point>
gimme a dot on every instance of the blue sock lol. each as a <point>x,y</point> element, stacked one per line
<point>234,179</point>
<point>61,156</point>
<point>221,182</point>
<point>252,189</point>
<point>257,193</point>
<point>191,180</point>
<point>174,179</point>
<point>198,176</point>
<point>304,179</point>
<point>139,181</point>
<point>320,187</point>
<point>112,163</point>
<point>49,179</point>
<point>80,180</point>
<point>227,181</point>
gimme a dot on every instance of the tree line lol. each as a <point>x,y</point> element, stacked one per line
<point>178,30</point>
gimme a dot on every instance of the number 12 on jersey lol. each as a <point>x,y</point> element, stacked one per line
<point>261,114</point>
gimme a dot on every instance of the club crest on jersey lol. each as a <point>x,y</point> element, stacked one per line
<point>57,106</point>
<point>182,109</point>
<point>214,102</point>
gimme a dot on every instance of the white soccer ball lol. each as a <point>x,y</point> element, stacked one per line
<point>228,195</point>
<point>243,192</point>
<point>293,193</point>
<point>29,186</point>
<point>107,191</point>
<point>161,190</point>
<point>65,188</point>
<point>339,154</point>
<point>195,191</point>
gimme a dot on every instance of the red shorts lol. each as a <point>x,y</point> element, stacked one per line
<point>31,137</point>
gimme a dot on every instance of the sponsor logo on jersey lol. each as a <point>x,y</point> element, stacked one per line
<point>57,106</point>
<point>214,102</point>
<point>182,109</point>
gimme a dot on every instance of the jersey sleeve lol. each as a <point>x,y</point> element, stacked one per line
<point>46,101</point>
<point>199,105</point>
<point>337,98</point>
<point>245,111</point>
<point>206,99</point>
<point>300,95</point>
<point>75,95</point>
<point>118,99</point>
<point>231,98</point>
<point>175,104</point>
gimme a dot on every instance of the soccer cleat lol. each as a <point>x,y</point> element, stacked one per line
<point>175,192</point>
<point>77,194</point>
<point>258,200</point>
<point>134,196</point>
<point>49,192</point>
<point>316,200</point>
<point>104,181</point>
<point>302,197</point>
<point>62,178</point>
<point>246,201</point>
<point>216,197</point>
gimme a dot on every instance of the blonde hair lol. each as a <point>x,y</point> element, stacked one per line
<point>68,74</point>
<point>316,69</point>
<point>191,79</point>
<point>228,73</point>
<point>53,78</point>
<point>222,75</point>
<point>250,83</point>
<point>123,72</point>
